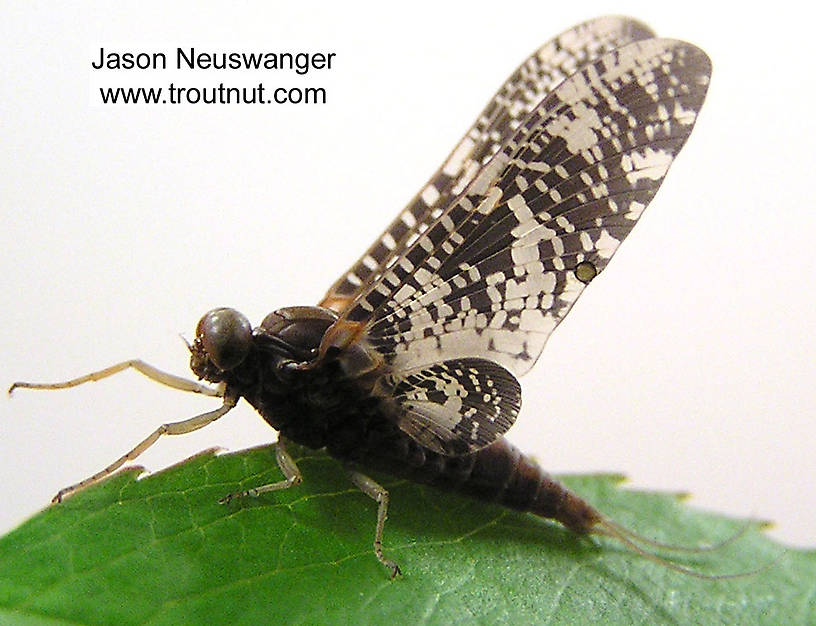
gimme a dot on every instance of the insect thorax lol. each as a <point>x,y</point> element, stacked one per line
<point>316,400</point>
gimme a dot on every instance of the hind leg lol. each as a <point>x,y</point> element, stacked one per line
<point>377,493</point>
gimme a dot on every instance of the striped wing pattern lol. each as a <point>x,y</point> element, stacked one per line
<point>514,100</point>
<point>500,266</point>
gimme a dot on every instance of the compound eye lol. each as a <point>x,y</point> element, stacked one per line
<point>226,336</point>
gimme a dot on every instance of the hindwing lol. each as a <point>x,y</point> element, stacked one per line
<point>457,406</point>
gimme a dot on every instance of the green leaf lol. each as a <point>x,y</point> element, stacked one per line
<point>163,551</point>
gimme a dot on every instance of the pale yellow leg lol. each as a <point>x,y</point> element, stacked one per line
<point>172,428</point>
<point>286,464</point>
<point>153,373</point>
<point>378,493</point>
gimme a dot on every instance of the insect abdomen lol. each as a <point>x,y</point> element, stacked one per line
<point>499,473</point>
<point>518,482</point>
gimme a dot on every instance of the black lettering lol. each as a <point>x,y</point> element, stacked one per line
<point>124,61</point>
<point>318,60</point>
<point>101,62</point>
<point>154,61</point>
<point>285,60</point>
<point>202,61</point>
<point>271,61</point>
<point>296,95</point>
<point>188,61</point>
<point>130,95</point>
<point>129,60</point>
<point>252,60</point>
<point>193,94</point>
<point>302,62</point>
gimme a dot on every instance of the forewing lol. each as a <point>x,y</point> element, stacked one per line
<point>455,407</point>
<point>498,269</point>
<point>523,90</point>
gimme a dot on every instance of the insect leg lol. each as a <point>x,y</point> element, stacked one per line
<point>378,493</point>
<point>153,373</point>
<point>286,464</point>
<point>171,428</point>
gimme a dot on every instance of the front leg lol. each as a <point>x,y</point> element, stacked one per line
<point>153,373</point>
<point>170,428</point>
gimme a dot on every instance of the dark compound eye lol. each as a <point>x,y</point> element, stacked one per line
<point>226,336</point>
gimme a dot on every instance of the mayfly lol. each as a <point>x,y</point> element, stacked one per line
<point>408,365</point>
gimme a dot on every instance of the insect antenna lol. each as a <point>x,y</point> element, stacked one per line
<point>186,342</point>
<point>632,540</point>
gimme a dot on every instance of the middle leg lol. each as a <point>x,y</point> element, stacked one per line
<point>286,464</point>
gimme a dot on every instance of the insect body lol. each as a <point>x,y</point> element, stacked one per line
<point>352,408</point>
<point>409,364</point>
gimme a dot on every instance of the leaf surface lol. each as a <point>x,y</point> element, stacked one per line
<point>161,550</point>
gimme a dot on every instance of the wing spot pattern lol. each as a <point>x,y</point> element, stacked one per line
<point>504,114</point>
<point>503,260</point>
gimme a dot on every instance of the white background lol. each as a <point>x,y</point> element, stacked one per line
<point>687,366</point>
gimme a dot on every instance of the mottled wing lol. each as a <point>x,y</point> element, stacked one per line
<point>522,91</point>
<point>454,407</point>
<point>500,268</point>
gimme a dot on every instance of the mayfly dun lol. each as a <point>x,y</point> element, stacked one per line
<point>409,364</point>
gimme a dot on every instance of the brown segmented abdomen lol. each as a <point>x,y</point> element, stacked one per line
<point>499,473</point>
